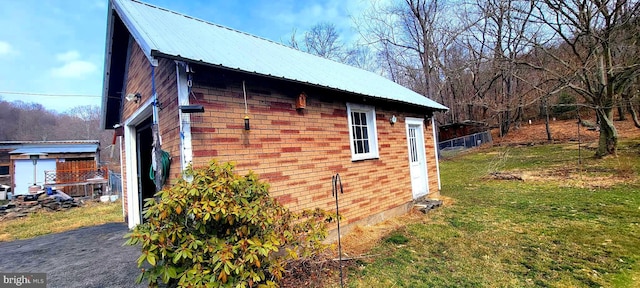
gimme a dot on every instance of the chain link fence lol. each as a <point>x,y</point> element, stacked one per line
<point>453,146</point>
<point>115,183</point>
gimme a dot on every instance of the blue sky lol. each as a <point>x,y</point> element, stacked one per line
<point>57,46</point>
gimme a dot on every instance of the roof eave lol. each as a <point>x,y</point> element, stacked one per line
<point>107,67</point>
<point>137,34</point>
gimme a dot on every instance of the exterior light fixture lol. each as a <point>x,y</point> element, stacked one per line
<point>427,117</point>
<point>301,101</point>
<point>191,108</point>
<point>246,123</point>
<point>133,97</point>
<point>393,119</point>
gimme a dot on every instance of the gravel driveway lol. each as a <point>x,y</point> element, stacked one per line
<point>86,257</point>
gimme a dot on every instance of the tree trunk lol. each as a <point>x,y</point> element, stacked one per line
<point>506,122</point>
<point>519,116</point>
<point>634,114</point>
<point>621,114</point>
<point>608,143</point>
<point>546,120</point>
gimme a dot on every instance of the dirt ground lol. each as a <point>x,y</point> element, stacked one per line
<point>561,131</point>
<point>361,239</point>
<point>86,257</point>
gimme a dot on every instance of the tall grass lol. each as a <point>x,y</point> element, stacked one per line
<point>43,222</point>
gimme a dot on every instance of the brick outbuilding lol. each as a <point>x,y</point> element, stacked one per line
<point>293,118</point>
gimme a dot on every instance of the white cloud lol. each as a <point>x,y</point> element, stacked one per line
<point>68,56</point>
<point>74,69</point>
<point>5,48</point>
<point>305,15</point>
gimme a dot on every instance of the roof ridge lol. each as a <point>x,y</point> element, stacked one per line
<point>218,25</point>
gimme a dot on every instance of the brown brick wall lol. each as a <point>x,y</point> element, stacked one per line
<point>297,153</point>
<point>139,80</point>
<point>432,170</point>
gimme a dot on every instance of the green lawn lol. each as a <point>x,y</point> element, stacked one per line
<point>565,225</point>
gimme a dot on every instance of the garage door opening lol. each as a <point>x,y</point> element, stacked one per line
<point>144,145</point>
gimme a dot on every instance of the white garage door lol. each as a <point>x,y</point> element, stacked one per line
<point>23,171</point>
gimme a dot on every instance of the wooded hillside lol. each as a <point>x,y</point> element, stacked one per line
<point>21,121</point>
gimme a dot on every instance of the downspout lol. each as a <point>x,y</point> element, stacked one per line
<point>156,155</point>
<point>154,94</point>
<point>435,148</point>
<point>125,212</point>
<point>184,81</point>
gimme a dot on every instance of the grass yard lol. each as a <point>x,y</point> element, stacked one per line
<point>565,225</point>
<point>41,223</point>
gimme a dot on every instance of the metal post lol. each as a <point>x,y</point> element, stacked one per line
<point>34,173</point>
<point>335,180</point>
<point>34,159</point>
<point>579,148</point>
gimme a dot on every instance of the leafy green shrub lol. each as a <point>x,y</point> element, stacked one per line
<point>222,230</point>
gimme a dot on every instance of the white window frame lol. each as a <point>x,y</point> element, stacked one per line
<point>372,131</point>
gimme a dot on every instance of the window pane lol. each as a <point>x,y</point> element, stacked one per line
<point>413,149</point>
<point>414,152</point>
<point>362,132</point>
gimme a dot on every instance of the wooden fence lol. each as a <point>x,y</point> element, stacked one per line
<point>72,177</point>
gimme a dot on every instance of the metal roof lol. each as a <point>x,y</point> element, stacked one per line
<point>50,142</point>
<point>56,149</point>
<point>165,33</point>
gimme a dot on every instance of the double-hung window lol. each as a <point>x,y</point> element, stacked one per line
<point>362,131</point>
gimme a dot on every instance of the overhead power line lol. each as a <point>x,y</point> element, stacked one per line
<point>47,94</point>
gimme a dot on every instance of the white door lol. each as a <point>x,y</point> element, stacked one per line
<point>23,173</point>
<point>417,157</point>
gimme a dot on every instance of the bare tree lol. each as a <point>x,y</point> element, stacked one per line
<point>32,122</point>
<point>89,117</point>
<point>411,38</point>
<point>461,54</point>
<point>586,45</point>
<point>322,40</point>
<point>497,39</point>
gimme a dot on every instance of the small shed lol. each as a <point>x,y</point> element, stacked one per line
<point>198,91</point>
<point>5,161</point>
<point>50,163</point>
